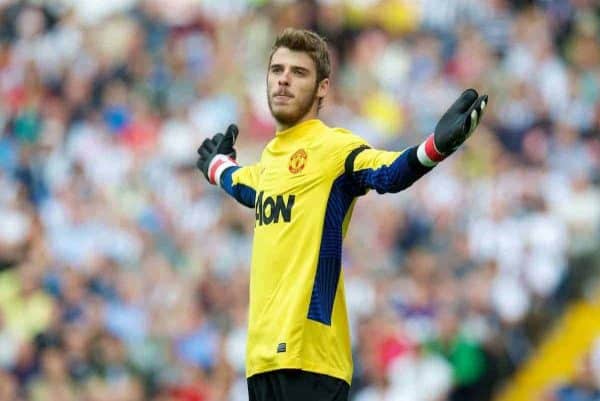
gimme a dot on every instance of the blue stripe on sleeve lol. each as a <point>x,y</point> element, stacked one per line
<point>399,175</point>
<point>227,179</point>
<point>242,193</point>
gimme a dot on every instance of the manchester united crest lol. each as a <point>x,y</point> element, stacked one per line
<point>297,161</point>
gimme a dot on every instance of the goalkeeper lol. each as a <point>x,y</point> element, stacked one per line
<point>303,190</point>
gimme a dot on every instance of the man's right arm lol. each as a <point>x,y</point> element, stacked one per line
<point>240,183</point>
<point>217,163</point>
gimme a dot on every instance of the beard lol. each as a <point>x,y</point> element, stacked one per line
<point>291,117</point>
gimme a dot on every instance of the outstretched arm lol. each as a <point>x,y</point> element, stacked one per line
<point>217,163</point>
<point>385,171</point>
<point>240,182</point>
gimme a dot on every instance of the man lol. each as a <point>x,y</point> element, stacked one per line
<point>303,191</point>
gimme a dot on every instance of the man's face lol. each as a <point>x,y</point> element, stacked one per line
<point>292,87</point>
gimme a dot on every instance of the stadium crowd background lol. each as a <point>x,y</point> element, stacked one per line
<point>124,275</point>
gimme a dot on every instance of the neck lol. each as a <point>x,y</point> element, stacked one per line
<point>312,114</point>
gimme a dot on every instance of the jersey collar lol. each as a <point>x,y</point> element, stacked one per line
<point>302,127</point>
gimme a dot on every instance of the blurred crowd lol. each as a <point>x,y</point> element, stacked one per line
<point>124,276</point>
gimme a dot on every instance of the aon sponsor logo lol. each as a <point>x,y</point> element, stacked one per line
<point>271,209</point>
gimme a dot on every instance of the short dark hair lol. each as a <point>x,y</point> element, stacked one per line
<point>306,41</point>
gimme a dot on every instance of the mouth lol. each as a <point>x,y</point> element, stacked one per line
<point>282,97</point>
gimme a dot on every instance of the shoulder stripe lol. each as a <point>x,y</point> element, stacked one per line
<point>349,164</point>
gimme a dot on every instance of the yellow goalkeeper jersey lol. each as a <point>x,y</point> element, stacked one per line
<point>303,191</point>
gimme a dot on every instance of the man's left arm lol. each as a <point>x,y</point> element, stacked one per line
<point>386,171</point>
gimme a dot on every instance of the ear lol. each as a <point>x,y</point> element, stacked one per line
<point>323,88</point>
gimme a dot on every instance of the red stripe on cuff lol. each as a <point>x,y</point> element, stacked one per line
<point>431,150</point>
<point>213,169</point>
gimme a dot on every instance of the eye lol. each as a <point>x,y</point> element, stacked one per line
<point>299,72</point>
<point>276,68</point>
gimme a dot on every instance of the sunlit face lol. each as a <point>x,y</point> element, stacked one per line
<point>292,87</point>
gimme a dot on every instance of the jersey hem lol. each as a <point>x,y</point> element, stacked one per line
<point>307,366</point>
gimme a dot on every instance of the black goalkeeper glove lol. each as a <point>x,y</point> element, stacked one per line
<point>453,129</point>
<point>217,153</point>
<point>459,122</point>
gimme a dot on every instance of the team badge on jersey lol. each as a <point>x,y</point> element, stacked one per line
<point>297,161</point>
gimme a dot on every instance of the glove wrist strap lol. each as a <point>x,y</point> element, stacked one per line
<point>428,154</point>
<point>217,165</point>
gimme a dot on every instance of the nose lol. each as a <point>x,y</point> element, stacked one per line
<point>284,79</point>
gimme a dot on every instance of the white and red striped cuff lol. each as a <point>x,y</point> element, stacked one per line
<point>428,154</point>
<point>216,167</point>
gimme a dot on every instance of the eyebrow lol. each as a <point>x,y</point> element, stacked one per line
<point>294,67</point>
